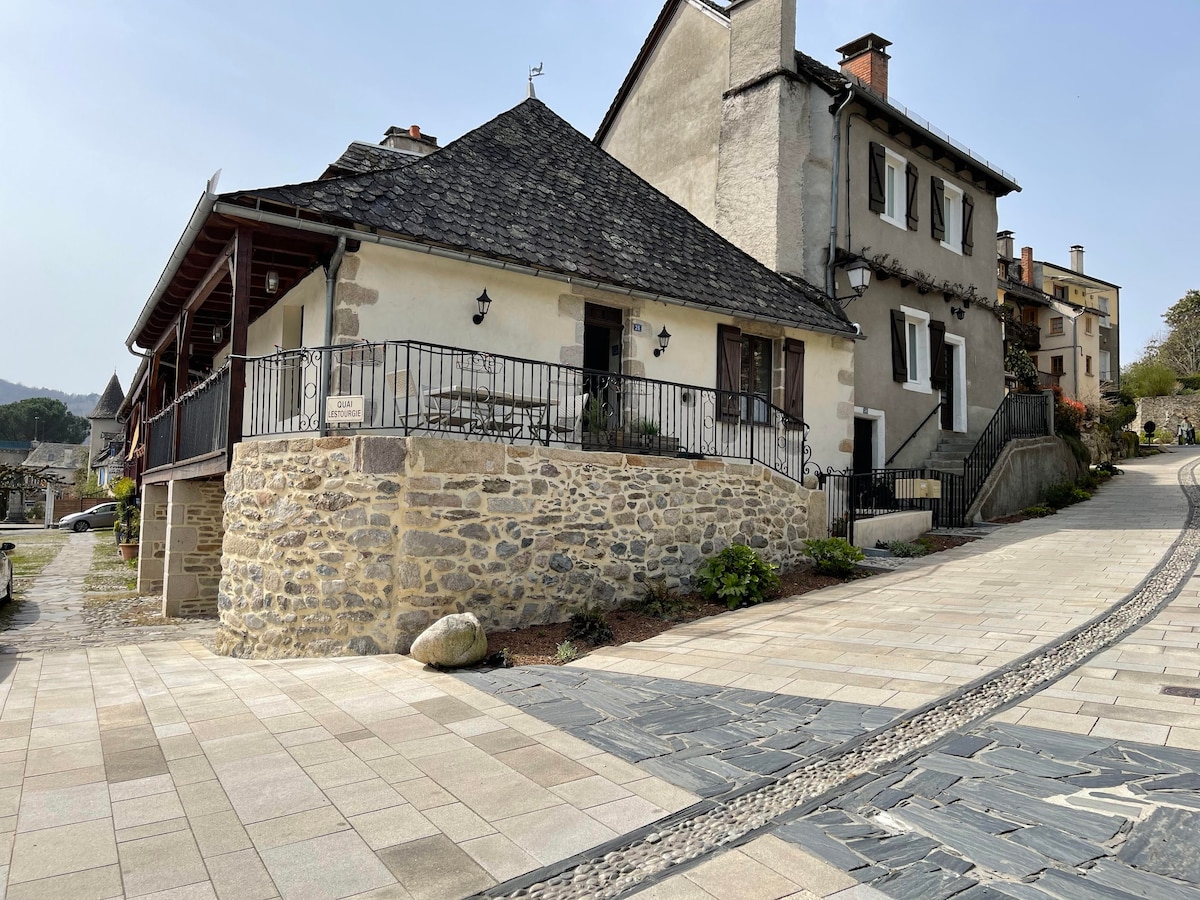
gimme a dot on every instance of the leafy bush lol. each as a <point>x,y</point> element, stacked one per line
<point>833,556</point>
<point>1088,481</point>
<point>566,652</point>
<point>658,601</point>
<point>1191,382</point>
<point>1149,378</point>
<point>738,576</point>
<point>906,549</point>
<point>1020,363</point>
<point>1064,494</point>
<point>1107,470</point>
<point>1068,414</point>
<point>590,626</point>
<point>1038,512</point>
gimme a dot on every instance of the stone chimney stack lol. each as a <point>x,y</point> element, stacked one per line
<point>866,59</point>
<point>1027,266</point>
<point>1004,245</point>
<point>762,39</point>
<point>1077,258</point>
<point>410,140</point>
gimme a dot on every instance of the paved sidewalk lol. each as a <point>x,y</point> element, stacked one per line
<point>161,769</point>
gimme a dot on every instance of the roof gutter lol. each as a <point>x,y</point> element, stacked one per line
<point>258,215</point>
<point>204,208</point>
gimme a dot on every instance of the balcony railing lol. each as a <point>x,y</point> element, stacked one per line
<point>412,387</point>
<point>203,414</point>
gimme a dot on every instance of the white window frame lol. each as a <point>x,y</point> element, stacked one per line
<point>895,163</point>
<point>952,200</point>
<point>960,381</point>
<point>1105,365</point>
<point>919,353</point>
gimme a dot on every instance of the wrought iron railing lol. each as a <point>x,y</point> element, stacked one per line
<point>852,497</point>
<point>203,414</point>
<point>412,387</point>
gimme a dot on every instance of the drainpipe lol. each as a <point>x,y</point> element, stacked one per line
<point>331,276</point>
<point>1075,345</point>
<point>830,277</point>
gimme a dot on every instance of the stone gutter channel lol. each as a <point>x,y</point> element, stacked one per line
<point>686,838</point>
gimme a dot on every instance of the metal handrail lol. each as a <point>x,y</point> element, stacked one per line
<point>924,421</point>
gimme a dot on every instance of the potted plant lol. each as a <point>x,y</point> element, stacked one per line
<point>128,518</point>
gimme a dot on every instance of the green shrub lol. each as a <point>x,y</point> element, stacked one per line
<point>566,652</point>
<point>833,556</point>
<point>1064,494</point>
<point>658,601</point>
<point>1088,481</point>
<point>1191,382</point>
<point>906,549</point>
<point>1038,512</point>
<point>1164,436</point>
<point>590,626</point>
<point>738,576</point>
<point>1107,470</point>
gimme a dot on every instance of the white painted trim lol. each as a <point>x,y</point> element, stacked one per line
<point>922,384</point>
<point>949,189</point>
<point>901,164</point>
<point>879,443</point>
<point>960,381</point>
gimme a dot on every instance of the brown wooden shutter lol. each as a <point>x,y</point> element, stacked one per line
<point>899,345</point>
<point>793,381</point>
<point>968,235</point>
<point>937,209</point>
<point>729,371</point>
<point>912,184</point>
<point>875,178</point>
<point>937,354</point>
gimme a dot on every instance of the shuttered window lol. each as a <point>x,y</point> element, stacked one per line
<point>911,348</point>
<point>968,225</point>
<point>911,183</point>
<point>937,209</point>
<point>899,345</point>
<point>937,354</point>
<point>793,381</point>
<point>729,368</point>
<point>877,195</point>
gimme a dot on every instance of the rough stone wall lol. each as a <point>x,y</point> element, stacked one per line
<point>340,546</point>
<point>1168,412</point>
<point>152,549</point>
<point>194,538</point>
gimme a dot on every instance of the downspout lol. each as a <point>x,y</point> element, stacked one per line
<point>331,276</point>
<point>830,278</point>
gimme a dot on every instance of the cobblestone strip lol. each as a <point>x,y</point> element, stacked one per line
<point>726,823</point>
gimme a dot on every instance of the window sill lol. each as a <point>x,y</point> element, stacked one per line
<point>952,248</point>
<point>917,387</point>
<point>903,226</point>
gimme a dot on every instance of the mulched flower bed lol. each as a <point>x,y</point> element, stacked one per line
<point>538,644</point>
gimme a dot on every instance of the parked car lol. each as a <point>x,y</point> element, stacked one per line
<point>102,516</point>
<point>6,576</point>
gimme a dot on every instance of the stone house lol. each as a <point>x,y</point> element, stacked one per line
<point>107,437</point>
<point>495,376</point>
<point>815,172</point>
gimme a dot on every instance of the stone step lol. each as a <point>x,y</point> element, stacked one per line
<point>955,468</point>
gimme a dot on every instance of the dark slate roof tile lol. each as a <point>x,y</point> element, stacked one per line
<point>542,195</point>
<point>361,157</point>
<point>110,401</point>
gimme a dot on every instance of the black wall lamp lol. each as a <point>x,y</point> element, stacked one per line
<point>484,301</point>
<point>664,338</point>
<point>957,311</point>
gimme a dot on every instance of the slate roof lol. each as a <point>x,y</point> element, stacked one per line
<point>530,189</point>
<point>57,456</point>
<point>110,401</point>
<point>361,157</point>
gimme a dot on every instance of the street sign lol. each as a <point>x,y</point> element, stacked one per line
<point>344,410</point>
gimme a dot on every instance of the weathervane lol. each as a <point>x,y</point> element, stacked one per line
<point>534,72</point>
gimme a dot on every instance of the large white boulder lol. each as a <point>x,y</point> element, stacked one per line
<point>450,642</point>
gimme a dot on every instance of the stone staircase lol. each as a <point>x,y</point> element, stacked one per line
<point>949,454</point>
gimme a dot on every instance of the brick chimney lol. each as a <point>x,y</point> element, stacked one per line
<point>866,59</point>
<point>410,140</point>
<point>1027,265</point>
<point>762,38</point>
<point>1077,258</point>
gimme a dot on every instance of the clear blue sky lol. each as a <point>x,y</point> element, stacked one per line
<point>113,115</point>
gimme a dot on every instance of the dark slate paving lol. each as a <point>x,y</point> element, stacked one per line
<point>703,738</point>
<point>977,823</point>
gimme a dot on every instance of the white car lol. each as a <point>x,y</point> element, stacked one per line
<point>6,576</point>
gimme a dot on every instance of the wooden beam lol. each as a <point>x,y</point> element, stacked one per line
<point>243,253</point>
<point>221,266</point>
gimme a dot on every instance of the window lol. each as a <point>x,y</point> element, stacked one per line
<point>1061,292</point>
<point>1088,366</point>
<point>1087,324</point>
<point>1056,324</point>
<point>952,217</point>
<point>1105,365</point>
<point>1029,315</point>
<point>745,366</point>
<point>1056,366</point>
<point>895,202</point>
<point>891,182</point>
<point>910,349</point>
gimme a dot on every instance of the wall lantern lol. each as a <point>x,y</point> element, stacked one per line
<point>664,338</point>
<point>484,301</point>
<point>218,333</point>
<point>957,311</point>
<point>272,281</point>
<point>858,273</point>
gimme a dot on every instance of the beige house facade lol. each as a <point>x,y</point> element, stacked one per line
<point>812,169</point>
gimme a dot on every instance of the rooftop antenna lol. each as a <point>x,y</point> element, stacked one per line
<point>534,72</point>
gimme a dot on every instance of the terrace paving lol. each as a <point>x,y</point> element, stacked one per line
<point>159,769</point>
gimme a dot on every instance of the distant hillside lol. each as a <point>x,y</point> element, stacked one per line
<point>80,404</point>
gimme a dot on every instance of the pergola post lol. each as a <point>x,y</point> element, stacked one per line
<point>242,253</point>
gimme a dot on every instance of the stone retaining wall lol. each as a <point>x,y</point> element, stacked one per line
<point>354,545</point>
<point>1167,412</point>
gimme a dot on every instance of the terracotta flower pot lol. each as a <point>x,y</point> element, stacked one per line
<point>129,551</point>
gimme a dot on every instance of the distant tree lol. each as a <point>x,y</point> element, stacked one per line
<point>51,418</point>
<point>1180,348</point>
<point>1148,378</point>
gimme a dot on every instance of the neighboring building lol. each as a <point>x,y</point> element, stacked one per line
<point>1068,321</point>
<point>58,462</point>
<point>810,169</point>
<point>494,313</point>
<point>107,435</point>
